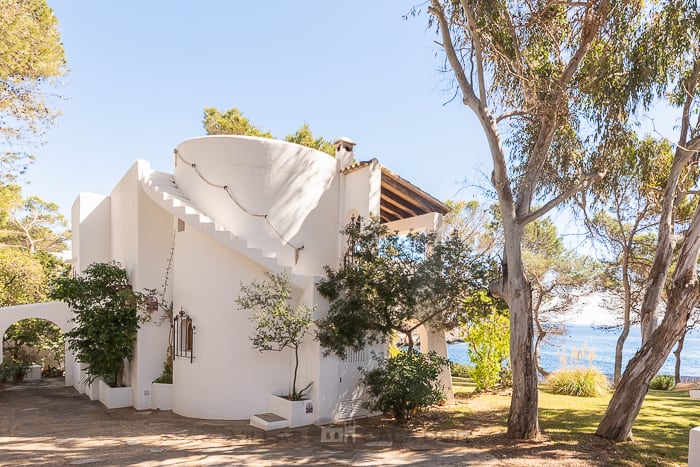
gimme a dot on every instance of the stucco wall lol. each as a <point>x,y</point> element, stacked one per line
<point>156,231</point>
<point>282,181</point>
<point>227,379</point>
<point>91,230</point>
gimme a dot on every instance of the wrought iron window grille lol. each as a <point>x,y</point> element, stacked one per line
<point>183,335</point>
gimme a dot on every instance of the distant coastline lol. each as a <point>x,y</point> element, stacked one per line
<point>601,343</point>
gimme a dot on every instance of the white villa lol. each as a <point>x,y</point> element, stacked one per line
<point>234,208</point>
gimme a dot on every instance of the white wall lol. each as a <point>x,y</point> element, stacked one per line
<point>129,228</point>
<point>272,178</point>
<point>156,230</point>
<point>227,379</point>
<point>91,230</point>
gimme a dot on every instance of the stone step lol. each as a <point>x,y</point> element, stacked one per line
<point>269,421</point>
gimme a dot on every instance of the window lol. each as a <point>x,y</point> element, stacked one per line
<point>183,335</point>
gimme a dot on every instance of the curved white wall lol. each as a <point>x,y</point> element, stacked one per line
<point>284,181</point>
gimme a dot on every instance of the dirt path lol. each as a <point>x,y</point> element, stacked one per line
<point>49,424</point>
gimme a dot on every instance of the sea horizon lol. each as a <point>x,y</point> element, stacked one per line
<point>598,348</point>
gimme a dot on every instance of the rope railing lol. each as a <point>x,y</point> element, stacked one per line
<point>230,194</point>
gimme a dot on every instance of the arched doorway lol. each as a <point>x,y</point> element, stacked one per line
<point>57,313</point>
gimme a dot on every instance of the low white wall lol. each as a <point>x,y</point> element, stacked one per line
<point>694,448</point>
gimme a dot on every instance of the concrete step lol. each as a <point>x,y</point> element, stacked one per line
<point>269,421</point>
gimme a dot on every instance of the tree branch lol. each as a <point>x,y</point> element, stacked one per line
<point>478,51</point>
<point>586,182</point>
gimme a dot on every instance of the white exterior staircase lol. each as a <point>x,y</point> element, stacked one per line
<point>161,188</point>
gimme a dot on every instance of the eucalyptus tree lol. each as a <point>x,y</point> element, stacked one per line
<point>31,57</point>
<point>544,81</point>
<point>669,51</point>
<point>621,215</point>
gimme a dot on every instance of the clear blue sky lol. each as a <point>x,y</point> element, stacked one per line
<point>141,73</point>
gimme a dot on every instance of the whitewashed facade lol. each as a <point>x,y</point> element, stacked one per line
<point>234,208</point>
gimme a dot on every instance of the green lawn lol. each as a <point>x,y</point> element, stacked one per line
<point>660,432</point>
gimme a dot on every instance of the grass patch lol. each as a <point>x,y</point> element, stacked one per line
<point>569,423</point>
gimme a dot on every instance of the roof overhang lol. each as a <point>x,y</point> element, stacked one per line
<point>401,199</point>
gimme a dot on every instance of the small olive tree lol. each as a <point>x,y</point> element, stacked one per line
<point>278,326</point>
<point>106,318</point>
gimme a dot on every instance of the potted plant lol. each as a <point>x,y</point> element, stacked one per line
<point>278,326</point>
<point>162,387</point>
<point>106,322</point>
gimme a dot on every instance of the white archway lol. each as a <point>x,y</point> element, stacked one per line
<point>56,312</point>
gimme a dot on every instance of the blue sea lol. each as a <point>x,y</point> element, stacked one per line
<point>602,346</point>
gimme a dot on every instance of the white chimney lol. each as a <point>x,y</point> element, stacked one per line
<point>343,152</point>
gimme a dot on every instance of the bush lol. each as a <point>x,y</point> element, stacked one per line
<point>106,319</point>
<point>460,370</point>
<point>405,384</point>
<point>12,371</point>
<point>488,346</point>
<point>663,383</point>
<point>581,382</point>
<point>505,377</point>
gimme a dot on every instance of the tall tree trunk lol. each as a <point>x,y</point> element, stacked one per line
<point>628,397</point>
<point>522,418</point>
<point>634,385</point>
<point>677,353</point>
<point>627,306</point>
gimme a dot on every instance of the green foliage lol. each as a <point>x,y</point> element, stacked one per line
<point>22,278</point>
<point>38,225</point>
<point>488,346</point>
<point>11,371</point>
<point>663,383</point>
<point>166,376</point>
<point>581,382</point>
<point>34,340</point>
<point>505,377</point>
<point>304,137</point>
<point>405,384</point>
<point>106,318</point>
<point>388,284</point>
<point>31,55</point>
<point>460,370</point>
<point>231,122</point>
<point>278,326</point>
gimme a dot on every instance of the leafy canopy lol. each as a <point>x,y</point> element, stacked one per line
<point>233,122</point>
<point>31,57</point>
<point>106,318</point>
<point>390,282</point>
